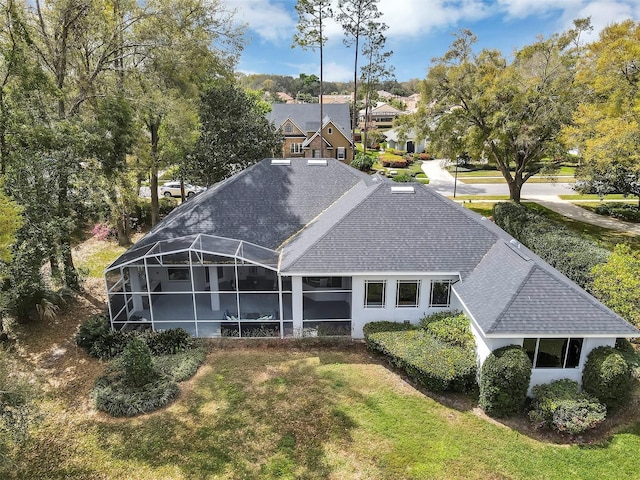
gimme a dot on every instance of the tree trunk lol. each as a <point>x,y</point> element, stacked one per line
<point>154,127</point>
<point>354,116</point>
<point>70,275</point>
<point>515,190</point>
<point>321,91</point>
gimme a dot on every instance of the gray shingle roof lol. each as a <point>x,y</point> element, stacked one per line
<point>514,292</point>
<point>307,115</point>
<point>385,231</point>
<point>264,204</point>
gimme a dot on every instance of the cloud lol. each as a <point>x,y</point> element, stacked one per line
<point>603,13</point>
<point>527,8</point>
<point>271,21</point>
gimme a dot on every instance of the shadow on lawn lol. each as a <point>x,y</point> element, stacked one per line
<point>249,414</point>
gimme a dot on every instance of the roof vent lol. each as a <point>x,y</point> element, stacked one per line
<point>280,161</point>
<point>403,189</point>
<point>317,161</point>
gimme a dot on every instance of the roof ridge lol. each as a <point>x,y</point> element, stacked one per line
<point>518,290</point>
<point>369,190</point>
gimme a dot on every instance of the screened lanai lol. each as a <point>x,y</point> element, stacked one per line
<point>208,285</point>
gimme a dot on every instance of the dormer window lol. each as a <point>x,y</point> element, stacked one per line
<point>288,128</point>
<point>329,130</point>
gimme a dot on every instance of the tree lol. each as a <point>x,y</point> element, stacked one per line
<point>234,133</point>
<point>607,121</point>
<point>617,283</point>
<point>509,113</point>
<point>355,16</point>
<point>375,70</point>
<point>312,15</point>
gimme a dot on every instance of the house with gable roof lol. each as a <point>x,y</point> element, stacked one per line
<point>292,247</point>
<point>300,126</point>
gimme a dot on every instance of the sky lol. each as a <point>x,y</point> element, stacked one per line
<point>419,30</point>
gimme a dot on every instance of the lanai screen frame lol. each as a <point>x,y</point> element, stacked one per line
<point>240,253</point>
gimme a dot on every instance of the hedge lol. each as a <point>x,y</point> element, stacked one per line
<point>621,211</point>
<point>453,330</point>
<point>437,366</point>
<point>504,381</point>
<point>566,251</point>
<point>607,376</point>
<point>386,326</point>
<point>561,405</point>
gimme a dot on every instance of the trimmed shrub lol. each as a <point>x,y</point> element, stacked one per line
<point>453,330</point>
<point>137,364</point>
<point>607,376</point>
<point>169,341</point>
<point>504,381</point>
<point>116,396</point>
<point>621,211</point>
<point>386,326</point>
<point>566,251</point>
<point>181,366</point>
<point>437,316</point>
<point>403,177</point>
<point>435,365</point>
<point>561,405</point>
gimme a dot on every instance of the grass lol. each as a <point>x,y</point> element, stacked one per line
<point>597,198</point>
<point>534,179</point>
<point>605,237</point>
<point>313,414</point>
<point>98,259</point>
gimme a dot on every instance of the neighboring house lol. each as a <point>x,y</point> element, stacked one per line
<point>300,124</point>
<point>411,143</point>
<point>411,102</point>
<point>337,98</point>
<point>381,116</point>
<point>286,98</point>
<point>315,247</point>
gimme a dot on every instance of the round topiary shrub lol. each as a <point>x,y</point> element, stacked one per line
<point>607,376</point>
<point>504,381</point>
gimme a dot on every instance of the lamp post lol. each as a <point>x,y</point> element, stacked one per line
<point>455,181</point>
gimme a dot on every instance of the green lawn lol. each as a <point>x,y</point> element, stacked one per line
<point>607,238</point>
<point>596,198</point>
<point>276,413</point>
<point>534,179</point>
<point>96,261</point>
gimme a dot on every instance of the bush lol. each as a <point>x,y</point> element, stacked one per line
<point>386,326</point>
<point>569,253</point>
<point>621,211</point>
<point>137,364</point>
<point>142,214</point>
<point>109,345</point>
<point>403,177</point>
<point>437,366</point>
<point>181,366</point>
<point>561,405</point>
<point>114,395</point>
<point>453,330</point>
<point>91,330</point>
<point>607,376</point>
<point>504,381</point>
<point>363,162</point>
<point>169,341</point>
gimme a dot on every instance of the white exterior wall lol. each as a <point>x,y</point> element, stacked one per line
<point>484,346</point>
<point>361,315</point>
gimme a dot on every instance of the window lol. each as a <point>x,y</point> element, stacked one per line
<point>296,147</point>
<point>408,293</point>
<point>553,352</point>
<point>316,153</point>
<point>440,294</point>
<point>178,274</point>
<point>374,293</point>
<point>288,128</point>
<point>341,153</point>
<point>329,130</point>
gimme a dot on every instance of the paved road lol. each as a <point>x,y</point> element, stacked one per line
<point>546,194</point>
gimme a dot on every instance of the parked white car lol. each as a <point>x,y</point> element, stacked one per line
<point>172,189</point>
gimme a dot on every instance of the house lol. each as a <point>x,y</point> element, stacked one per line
<point>381,116</point>
<point>285,97</point>
<point>410,142</point>
<point>326,99</point>
<point>293,247</point>
<point>300,125</point>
